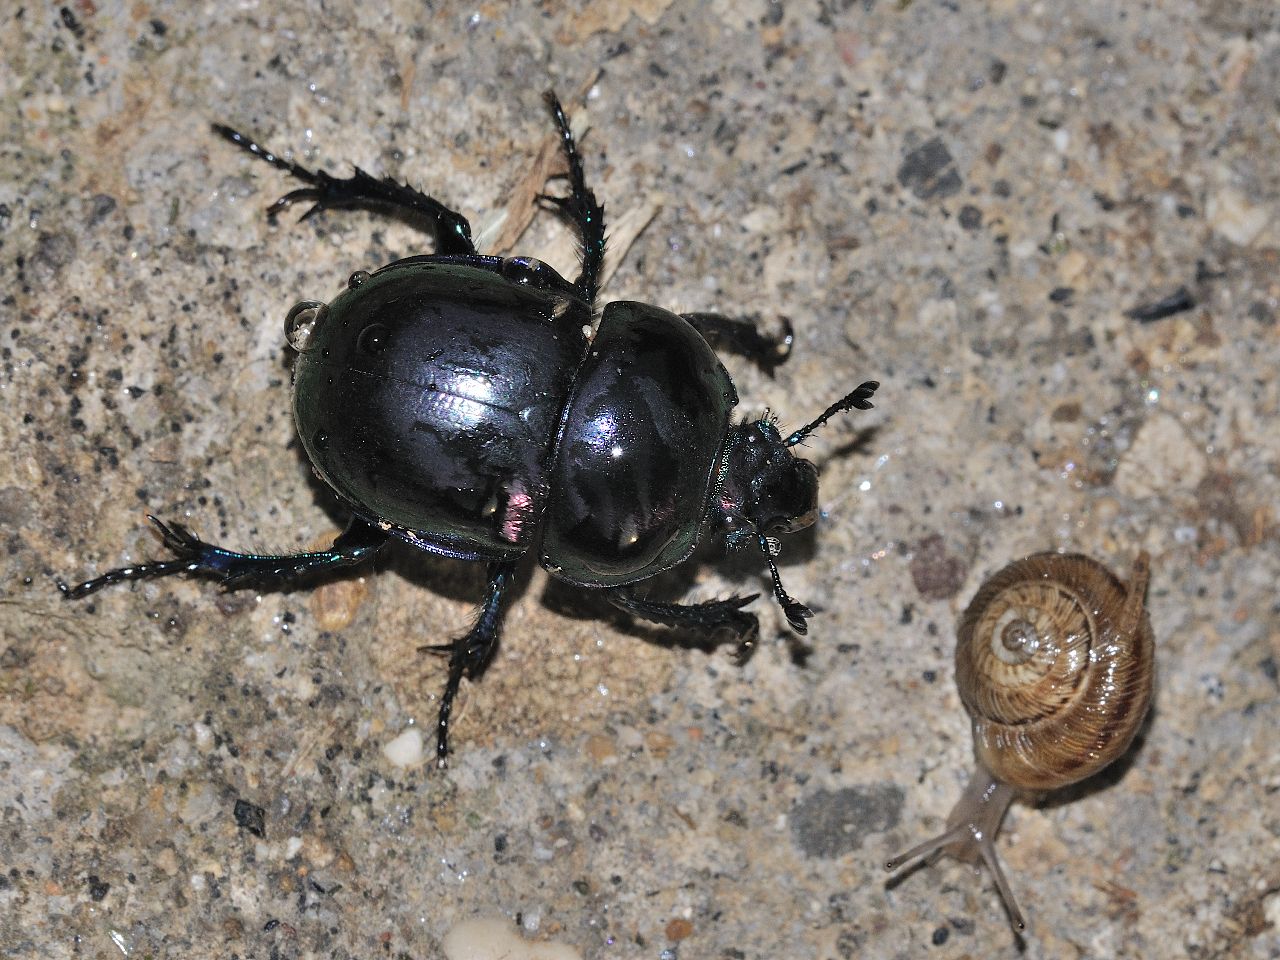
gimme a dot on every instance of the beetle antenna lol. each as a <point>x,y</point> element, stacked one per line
<point>860,398</point>
<point>796,612</point>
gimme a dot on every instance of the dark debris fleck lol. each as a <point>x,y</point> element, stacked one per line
<point>928,171</point>
<point>1179,301</point>
<point>70,22</point>
<point>250,817</point>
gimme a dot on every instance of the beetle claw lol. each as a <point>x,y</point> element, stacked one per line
<point>439,649</point>
<point>797,613</point>
<point>747,644</point>
<point>179,539</point>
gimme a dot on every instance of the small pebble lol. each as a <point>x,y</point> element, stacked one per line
<point>406,749</point>
<point>679,929</point>
<point>493,938</point>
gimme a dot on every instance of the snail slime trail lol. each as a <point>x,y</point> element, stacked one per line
<point>1055,663</point>
<point>453,402</point>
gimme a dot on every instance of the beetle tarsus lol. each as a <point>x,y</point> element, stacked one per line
<point>453,232</point>
<point>580,206</point>
<point>470,654</point>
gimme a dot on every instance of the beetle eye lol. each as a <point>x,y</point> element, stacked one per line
<point>795,496</point>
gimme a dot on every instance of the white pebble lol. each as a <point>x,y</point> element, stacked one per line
<point>203,737</point>
<point>494,938</point>
<point>1232,215</point>
<point>406,749</point>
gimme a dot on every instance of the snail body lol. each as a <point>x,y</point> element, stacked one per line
<point>1055,667</point>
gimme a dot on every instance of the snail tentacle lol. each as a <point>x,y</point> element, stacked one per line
<point>971,831</point>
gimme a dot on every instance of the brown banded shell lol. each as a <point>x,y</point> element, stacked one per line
<point>1054,662</point>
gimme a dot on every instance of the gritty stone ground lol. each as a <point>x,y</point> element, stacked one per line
<point>1050,230</point>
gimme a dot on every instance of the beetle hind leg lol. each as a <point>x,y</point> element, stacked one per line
<point>705,618</point>
<point>580,206</point>
<point>469,655</point>
<point>357,543</point>
<point>453,232</point>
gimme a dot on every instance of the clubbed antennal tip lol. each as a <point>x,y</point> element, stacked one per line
<point>860,398</point>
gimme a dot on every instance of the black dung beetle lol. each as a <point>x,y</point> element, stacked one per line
<point>460,403</point>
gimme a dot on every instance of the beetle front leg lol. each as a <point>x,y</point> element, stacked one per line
<point>469,655</point>
<point>741,335</point>
<point>453,232</point>
<point>704,618</point>
<point>357,543</point>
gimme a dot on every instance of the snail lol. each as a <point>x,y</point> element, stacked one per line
<point>1055,664</point>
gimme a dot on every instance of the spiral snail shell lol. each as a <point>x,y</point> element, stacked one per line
<point>1055,666</point>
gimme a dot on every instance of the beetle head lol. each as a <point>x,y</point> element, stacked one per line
<point>766,490</point>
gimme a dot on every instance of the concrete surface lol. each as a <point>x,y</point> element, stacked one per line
<point>962,201</point>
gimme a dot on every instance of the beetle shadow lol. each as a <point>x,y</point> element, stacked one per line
<point>859,441</point>
<point>374,220</point>
<point>463,580</point>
